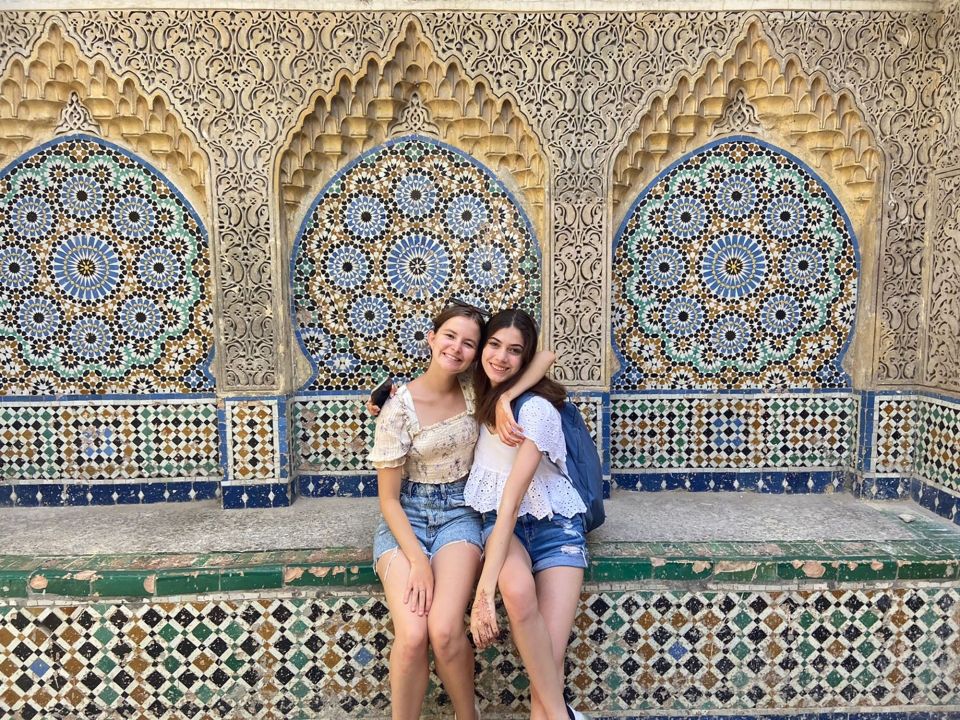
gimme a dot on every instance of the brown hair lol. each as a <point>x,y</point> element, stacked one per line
<point>487,394</point>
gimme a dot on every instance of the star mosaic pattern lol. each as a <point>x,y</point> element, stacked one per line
<point>104,277</point>
<point>388,242</point>
<point>672,651</point>
<point>736,269</point>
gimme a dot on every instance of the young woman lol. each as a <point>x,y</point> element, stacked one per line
<point>534,533</point>
<point>427,549</point>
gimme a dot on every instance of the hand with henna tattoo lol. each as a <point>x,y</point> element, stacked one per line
<point>483,619</point>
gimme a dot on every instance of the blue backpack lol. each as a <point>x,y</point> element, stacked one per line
<point>583,464</point>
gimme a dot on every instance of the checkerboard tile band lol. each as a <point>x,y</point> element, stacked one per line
<point>671,651</point>
<point>797,431</point>
<point>109,441</point>
<point>252,440</point>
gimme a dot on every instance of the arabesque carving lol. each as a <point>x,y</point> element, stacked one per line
<point>362,108</point>
<point>798,112</point>
<point>35,90</point>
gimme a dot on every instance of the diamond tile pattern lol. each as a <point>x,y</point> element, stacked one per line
<point>896,422</point>
<point>333,434</point>
<point>671,651</point>
<point>100,441</point>
<point>253,437</point>
<point>937,443</point>
<point>732,432</point>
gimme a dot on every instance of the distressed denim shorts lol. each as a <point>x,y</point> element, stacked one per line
<point>551,542</point>
<point>438,515</point>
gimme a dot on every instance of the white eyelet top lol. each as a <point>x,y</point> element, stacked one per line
<point>438,453</point>
<point>550,492</point>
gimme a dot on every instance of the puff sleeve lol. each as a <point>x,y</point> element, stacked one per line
<point>392,439</point>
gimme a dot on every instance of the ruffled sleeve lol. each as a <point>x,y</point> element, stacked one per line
<point>541,423</point>
<point>392,440</point>
<point>469,396</point>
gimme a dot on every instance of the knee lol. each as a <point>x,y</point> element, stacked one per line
<point>519,595</point>
<point>410,643</point>
<point>446,637</point>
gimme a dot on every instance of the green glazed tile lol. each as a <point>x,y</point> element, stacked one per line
<point>117,583</point>
<point>683,570</point>
<point>59,582</point>
<point>13,583</point>
<point>925,570</point>
<point>619,570</point>
<point>819,571</point>
<point>255,578</point>
<point>325,574</point>
<point>187,583</point>
<point>863,570</point>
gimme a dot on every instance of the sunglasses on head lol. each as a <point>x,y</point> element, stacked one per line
<point>469,307</point>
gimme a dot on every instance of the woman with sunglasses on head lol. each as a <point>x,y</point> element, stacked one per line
<point>427,548</point>
<point>533,529</point>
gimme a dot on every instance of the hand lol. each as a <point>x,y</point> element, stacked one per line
<point>374,410</point>
<point>483,619</point>
<point>419,594</point>
<point>509,432</point>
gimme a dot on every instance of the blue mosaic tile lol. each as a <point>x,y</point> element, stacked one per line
<point>364,485</point>
<point>142,303</point>
<point>387,242</point>
<point>735,268</point>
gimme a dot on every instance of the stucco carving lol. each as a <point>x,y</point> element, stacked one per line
<point>362,109</point>
<point>240,80</point>
<point>802,112</point>
<point>942,346</point>
<point>36,89</point>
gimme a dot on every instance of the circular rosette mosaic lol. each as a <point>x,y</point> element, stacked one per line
<point>736,268</point>
<point>103,277</point>
<point>388,242</point>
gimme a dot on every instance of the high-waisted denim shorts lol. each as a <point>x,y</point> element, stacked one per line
<point>438,515</point>
<point>551,542</point>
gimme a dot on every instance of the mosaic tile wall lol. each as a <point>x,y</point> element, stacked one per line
<point>104,276</point>
<point>798,443</point>
<point>255,446</point>
<point>396,234</point>
<point>325,656</point>
<point>87,451</point>
<point>333,434</point>
<point>735,268</point>
<point>916,451</point>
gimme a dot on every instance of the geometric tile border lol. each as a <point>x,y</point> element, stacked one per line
<point>255,447</point>
<point>332,434</point>
<point>778,433</point>
<point>670,651</point>
<point>107,451</point>
<point>916,451</point>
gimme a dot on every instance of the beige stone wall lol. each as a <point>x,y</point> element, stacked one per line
<point>234,93</point>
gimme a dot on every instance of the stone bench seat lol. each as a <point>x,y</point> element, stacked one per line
<point>694,603</point>
<point>154,551</point>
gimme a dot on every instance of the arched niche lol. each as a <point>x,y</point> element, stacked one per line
<point>104,275</point>
<point>391,238</point>
<point>736,268</point>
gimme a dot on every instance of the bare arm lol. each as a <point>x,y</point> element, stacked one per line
<point>483,620</point>
<point>508,430</point>
<point>419,592</point>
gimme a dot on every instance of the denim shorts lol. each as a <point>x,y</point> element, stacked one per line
<point>556,541</point>
<point>438,515</point>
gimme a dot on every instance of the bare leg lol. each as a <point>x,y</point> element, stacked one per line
<point>409,665</point>
<point>558,596</point>
<point>455,570</point>
<point>530,632</point>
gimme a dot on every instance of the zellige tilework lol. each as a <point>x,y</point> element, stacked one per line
<point>104,276</point>
<point>791,431</point>
<point>392,237</point>
<point>736,268</point>
<point>635,650</point>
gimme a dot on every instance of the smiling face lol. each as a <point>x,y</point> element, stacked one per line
<point>454,345</point>
<point>502,356</point>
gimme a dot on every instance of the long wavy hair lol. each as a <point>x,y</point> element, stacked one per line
<point>487,394</point>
